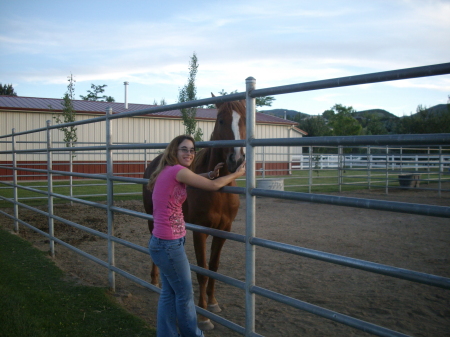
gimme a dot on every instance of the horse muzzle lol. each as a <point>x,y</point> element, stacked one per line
<point>232,163</point>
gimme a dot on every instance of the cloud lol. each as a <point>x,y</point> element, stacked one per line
<point>429,83</point>
<point>327,98</point>
<point>278,43</point>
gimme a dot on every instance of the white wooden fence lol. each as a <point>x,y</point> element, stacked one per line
<point>394,161</point>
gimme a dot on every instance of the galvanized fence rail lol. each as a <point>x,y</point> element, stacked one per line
<point>250,191</point>
<point>361,169</point>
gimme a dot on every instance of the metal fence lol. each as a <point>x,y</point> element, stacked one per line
<point>250,191</point>
<point>319,166</point>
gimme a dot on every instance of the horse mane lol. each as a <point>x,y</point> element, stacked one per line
<point>200,158</point>
<point>238,106</point>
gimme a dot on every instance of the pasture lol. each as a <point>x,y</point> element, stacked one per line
<point>321,181</point>
<point>407,241</point>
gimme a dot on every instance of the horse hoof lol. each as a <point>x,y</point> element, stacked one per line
<point>205,325</point>
<point>214,308</point>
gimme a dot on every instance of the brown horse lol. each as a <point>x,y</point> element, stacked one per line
<point>210,209</point>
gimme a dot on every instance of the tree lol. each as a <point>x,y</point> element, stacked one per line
<point>7,89</point>
<point>162,102</point>
<point>372,124</point>
<point>342,121</point>
<point>316,126</point>
<point>264,101</point>
<point>425,121</point>
<point>68,114</point>
<point>94,94</point>
<point>189,93</point>
<point>328,114</point>
<point>260,101</point>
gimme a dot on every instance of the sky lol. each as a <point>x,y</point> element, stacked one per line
<point>150,43</point>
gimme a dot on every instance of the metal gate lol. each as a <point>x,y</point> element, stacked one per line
<point>250,192</point>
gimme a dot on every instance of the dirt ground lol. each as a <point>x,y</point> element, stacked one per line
<point>418,243</point>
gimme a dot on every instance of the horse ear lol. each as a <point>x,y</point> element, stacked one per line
<point>217,104</point>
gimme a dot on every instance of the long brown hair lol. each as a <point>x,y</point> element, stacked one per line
<point>169,157</point>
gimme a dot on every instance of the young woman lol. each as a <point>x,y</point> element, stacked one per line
<point>166,246</point>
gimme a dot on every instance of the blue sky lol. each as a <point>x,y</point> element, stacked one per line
<point>149,44</point>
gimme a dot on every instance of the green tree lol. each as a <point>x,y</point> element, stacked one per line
<point>342,121</point>
<point>372,124</point>
<point>316,126</point>
<point>68,114</point>
<point>7,89</point>
<point>259,101</point>
<point>189,93</point>
<point>264,101</point>
<point>162,102</point>
<point>425,121</point>
<point>94,94</point>
<point>328,114</point>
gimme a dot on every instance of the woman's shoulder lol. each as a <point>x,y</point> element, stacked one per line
<point>174,169</point>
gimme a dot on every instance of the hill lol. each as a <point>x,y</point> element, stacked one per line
<point>437,109</point>
<point>280,113</point>
<point>380,113</point>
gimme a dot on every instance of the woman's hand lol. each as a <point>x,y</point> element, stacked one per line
<point>241,169</point>
<point>217,168</point>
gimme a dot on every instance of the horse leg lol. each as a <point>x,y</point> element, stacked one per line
<point>216,249</point>
<point>200,253</point>
<point>155,270</point>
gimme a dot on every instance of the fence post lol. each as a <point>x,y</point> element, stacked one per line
<point>145,156</point>
<point>310,169</point>
<point>387,169</point>
<point>340,151</point>
<point>71,177</point>
<point>369,166</point>
<point>250,212</point>
<point>441,169</point>
<point>428,166</point>
<point>401,159</point>
<point>289,152</point>
<point>110,200</point>
<point>51,231</point>
<point>15,189</point>
<point>263,162</point>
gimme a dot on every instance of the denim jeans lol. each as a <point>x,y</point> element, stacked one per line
<point>176,302</point>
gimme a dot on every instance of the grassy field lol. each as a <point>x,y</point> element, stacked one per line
<point>36,301</point>
<point>322,181</point>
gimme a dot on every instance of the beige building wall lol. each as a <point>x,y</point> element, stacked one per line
<point>124,130</point>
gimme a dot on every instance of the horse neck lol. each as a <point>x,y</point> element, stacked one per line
<point>209,159</point>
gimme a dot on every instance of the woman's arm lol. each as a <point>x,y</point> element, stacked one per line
<point>190,178</point>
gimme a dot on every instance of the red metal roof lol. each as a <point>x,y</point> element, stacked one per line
<point>18,103</point>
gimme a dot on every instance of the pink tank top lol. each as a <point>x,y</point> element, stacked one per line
<point>168,197</point>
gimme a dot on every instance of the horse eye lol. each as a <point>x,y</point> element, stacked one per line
<point>221,121</point>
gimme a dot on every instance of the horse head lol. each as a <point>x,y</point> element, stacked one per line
<point>230,125</point>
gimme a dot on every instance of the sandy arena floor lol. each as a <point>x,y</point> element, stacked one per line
<point>418,243</point>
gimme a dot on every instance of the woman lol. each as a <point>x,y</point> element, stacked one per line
<point>166,246</point>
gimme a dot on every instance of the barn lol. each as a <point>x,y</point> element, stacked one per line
<point>28,113</point>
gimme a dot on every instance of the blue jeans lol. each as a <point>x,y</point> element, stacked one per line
<point>176,302</point>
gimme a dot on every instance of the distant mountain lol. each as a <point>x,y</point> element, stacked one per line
<point>437,109</point>
<point>382,114</point>
<point>280,113</point>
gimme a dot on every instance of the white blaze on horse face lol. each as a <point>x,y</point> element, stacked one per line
<point>237,134</point>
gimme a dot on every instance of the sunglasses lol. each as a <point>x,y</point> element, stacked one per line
<point>185,150</point>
